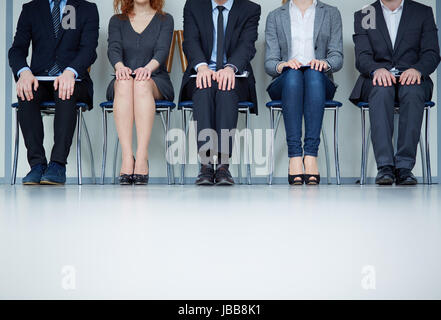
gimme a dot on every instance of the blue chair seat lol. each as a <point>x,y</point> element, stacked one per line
<point>429,104</point>
<point>159,104</point>
<point>328,104</point>
<point>51,104</point>
<point>243,104</point>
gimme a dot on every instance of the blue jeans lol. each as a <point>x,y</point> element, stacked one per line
<point>303,94</point>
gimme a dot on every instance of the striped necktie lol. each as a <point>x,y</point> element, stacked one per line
<point>56,19</point>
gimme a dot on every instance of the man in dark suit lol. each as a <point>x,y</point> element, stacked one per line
<point>219,43</point>
<point>395,59</point>
<point>64,37</point>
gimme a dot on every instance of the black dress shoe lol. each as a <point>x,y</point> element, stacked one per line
<point>206,176</point>
<point>126,180</point>
<point>296,179</point>
<point>223,176</point>
<point>405,177</point>
<point>385,176</point>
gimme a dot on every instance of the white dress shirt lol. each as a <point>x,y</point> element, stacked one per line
<point>302,33</point>
<point>392,19</point>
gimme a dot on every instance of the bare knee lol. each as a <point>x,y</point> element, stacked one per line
<point>123,88</point>
<point>144,87</point>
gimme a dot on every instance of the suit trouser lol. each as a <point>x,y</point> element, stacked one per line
<point>411,100</point>
<point>216,114</point>
<point>31,122</point>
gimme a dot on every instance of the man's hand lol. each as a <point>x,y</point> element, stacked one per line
<point>319,65</point>
<point>384,77</point>
<point>410,76</point>
<point>122,72</point>
<point>293,64</point>
<point>65,84</point>
<point>143,74</point>
<point>226,79</point>
<point>204,77</point>
<point>25,84</point>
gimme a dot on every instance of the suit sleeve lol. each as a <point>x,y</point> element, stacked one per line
<point>246,49</point>
<point>273,56</point>
<point>429,46</point>
<point>364,54</point>
<point>88,43</point>
<point>335,47</point>
<point>19,51</point>
<point>192,40</point>
<point>162,48</point>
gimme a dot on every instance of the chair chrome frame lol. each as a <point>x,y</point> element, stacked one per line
<point>424,144</point>
<point>185,129</point>
<point>276,115</point>
<point>165,114</point>
<point>81,123</point>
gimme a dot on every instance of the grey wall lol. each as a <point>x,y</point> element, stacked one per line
<point>350,132</point>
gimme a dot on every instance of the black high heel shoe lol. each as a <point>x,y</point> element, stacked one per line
<point>311,179</point>
<point>126,180</point>
<point>294,179</point>
<point>141,179</point>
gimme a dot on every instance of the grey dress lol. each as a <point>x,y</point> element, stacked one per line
<point>136,50</point>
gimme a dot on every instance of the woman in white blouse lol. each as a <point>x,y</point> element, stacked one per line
<point>304,47</point>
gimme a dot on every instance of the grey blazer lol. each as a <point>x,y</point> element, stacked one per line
<point>328,38</point>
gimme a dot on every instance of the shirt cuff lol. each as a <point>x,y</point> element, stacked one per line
<point>200,65</point>
<point>329,66</point>
<point>73,70</point>
<point>21,70</point>
<point>233,67</point>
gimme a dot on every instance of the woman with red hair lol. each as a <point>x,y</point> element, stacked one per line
<point>140,35</point>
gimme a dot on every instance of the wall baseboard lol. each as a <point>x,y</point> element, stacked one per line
<point>190,181</point>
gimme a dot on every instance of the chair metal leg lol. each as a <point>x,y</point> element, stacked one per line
<point>336,154</point>
<point>168,150</point>
<point>328,165</point>
<point>166,124</point>
<point>103,165</point>
<point>247,147</point>
<point>115,159</point>
<point>184,145</point>
<point>363,147</point>
<point>89,144</point>
<point>427,142</point>
<point>239,167</point>
<point>16,149</point>
<point>79,131</point>
<point>423,159</point>
<point>271,156</point>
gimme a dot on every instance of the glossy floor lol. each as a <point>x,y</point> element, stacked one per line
<point>213,243</point>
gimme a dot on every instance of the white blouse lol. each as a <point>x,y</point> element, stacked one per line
<point>302,33</point>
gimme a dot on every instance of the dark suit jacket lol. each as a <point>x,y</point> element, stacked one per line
<point>416,46</point>
<point>75,48</point>
<point>240,36</point>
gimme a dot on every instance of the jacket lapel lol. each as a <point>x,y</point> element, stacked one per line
<point>403,23</point>
<point>381,24</point>
<point>208,19</point>
<point>319,16</point>
<point>73,3</point>
<point>47,18</point>
<point>233,16</point>
<point>286,25</point>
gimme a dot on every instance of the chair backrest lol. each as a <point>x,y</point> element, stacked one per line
<point>169,63</point>
<point>180,39</point>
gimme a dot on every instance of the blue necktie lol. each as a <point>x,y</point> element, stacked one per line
<point>220,39</point>
<point>56,19</point>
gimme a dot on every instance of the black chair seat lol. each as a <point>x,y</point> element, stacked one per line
<point>330,104</point>
<point>159,104</point>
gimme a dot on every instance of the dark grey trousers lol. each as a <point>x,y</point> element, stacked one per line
<point>411,101</point>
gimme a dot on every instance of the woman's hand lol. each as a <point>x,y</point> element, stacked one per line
<point>319,65</point>
<point>143,74</point>
<point>122,72</point>
<point>293,64</point>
